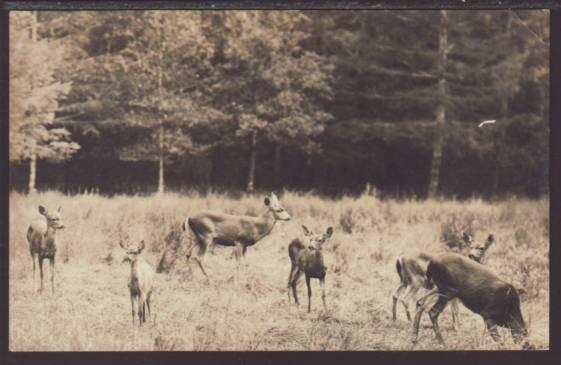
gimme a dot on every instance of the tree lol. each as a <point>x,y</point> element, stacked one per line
<point>280,83</point>
<point>35,96</point>
<point>441,109</point>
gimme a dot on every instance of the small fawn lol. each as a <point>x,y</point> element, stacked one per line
<point>141,282</point>
<point>42,244</point>
<point>412,266</point>
<point>308,260</point>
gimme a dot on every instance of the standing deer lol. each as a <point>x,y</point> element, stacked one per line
<point>451,275</point>
<point>309,261</point>
<point>412,268</point>
<point>42,244</point>
<point>140,283</point>
<point>210,227</point>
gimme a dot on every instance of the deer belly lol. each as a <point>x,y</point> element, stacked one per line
<point>224,241</point>
<point>316,272</point>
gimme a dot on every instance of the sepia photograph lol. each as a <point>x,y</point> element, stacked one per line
<point>279,180</point>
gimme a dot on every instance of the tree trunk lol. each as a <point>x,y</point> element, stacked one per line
<point>504,94</point>
<point>277,167</point>
<point>252,158</point>
<point>33,158</point>
<point>438,147</point>
<point>161,131</point>
<point>161,162</point>
<point>32,172</point>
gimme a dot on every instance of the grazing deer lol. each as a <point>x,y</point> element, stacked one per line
<point>412,268</point>
<point>210,227</point>
<point>141,282</point>
<point>451,275</point>
<point>42,244</point>
<point>309,261</point>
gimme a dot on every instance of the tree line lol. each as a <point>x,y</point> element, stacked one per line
<point>147,101</point>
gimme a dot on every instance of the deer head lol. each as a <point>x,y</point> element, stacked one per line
<point>272,202</point>
<point>131,253</point>
<point>54,219</point>
<point>317,239</point>
<point>478,249</point>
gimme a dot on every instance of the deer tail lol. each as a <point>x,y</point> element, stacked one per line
<point>398,267</point>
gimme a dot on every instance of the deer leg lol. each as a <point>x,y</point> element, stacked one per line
<point>418,313</point>
<point>434,313</point>
<point>139,310</point>
<point>238,250</point>
<point>454,309</point>
<point>295,278</point>
<point>397,295</point>
<point>322,283</point>
<point>408,292</point>
<point>148,306</point>
<point>293,270</point>
<point>52,264</point>
<point>40,261</point>
<point>244,250</point>
<point>132,309</point>
<point>492,328</point>
<point>33,258</point>
<point>309,293</point>
<point>200,257</point>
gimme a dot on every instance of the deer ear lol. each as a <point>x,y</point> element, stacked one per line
<point>329,232</point>
<point>121,244</point>
<point>267,201</point>
<point>141,246</point>
<point>306,230</point>
<point>490,239</point>
<point>42,210</point>
<point>467,237</point>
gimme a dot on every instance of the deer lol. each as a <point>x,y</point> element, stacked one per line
<point>210,227</point>
<point>140,283</point>
<point>451,275</point>
<point>308,260</point>
<point>411,269</point>
<point>41,236</point>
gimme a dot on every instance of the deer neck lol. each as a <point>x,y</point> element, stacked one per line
<point>265,225</point>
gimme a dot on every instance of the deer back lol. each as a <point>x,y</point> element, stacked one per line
<point>457,276</point>
<point>412,268</point>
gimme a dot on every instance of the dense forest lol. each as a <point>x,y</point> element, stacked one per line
<point>139,102</point>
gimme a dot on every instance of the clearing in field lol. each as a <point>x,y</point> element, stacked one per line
<point>248,309</point>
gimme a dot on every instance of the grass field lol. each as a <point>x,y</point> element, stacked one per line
<point>91,308</point>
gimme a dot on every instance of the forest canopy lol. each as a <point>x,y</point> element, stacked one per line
<point>146,101</point>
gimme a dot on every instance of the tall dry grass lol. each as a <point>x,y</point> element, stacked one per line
<point>249,310</point>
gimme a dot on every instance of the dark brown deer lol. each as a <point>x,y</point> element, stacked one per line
<point>451,275</point>
<point>210,227</point>
<point>141,282</point>
<point>42,241</point>
<point>411,268</point>
<point>308,260</point>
